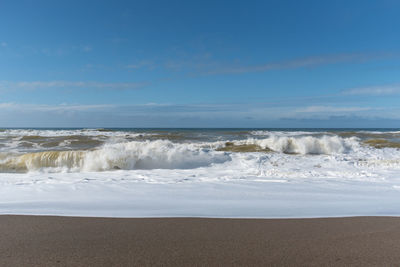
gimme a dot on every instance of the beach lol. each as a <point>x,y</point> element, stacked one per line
<point>82,241</point>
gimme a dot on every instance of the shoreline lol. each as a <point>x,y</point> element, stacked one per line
<point>93,241</point>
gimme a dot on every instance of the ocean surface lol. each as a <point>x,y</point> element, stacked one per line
<point>265,173</point>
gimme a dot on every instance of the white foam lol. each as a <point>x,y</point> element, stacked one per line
<point>58,132</point>
<point>380,132</point>
<point>282,133</point>
<point>248,185</point>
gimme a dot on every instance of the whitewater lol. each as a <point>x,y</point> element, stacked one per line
<point>248,173</point>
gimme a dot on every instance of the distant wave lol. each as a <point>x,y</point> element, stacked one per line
<point>66,132</point>
<point>306,144</point>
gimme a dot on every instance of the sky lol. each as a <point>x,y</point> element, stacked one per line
<point>200,63</point>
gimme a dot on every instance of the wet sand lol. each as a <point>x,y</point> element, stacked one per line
<point>72,241</point>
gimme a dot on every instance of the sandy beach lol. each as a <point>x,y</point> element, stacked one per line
<point>78,241</point>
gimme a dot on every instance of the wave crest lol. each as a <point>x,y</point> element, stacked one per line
<point>160,154</point>
<point>307,144</point>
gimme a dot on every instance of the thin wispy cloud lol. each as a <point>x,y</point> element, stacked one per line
<point>141,64</point>
<point>207,65</point>
<point>32,85</point>
<point>188,115</point>
<point>330,109</point>
<point>312,61</point>
<point>7,105</point>
<point>52,108</point>
<point>71,107</point>
<point>60,50</point>
<point>3,44</point>
<point>176,109</point>
<point>86,48</point>
<point>380,90</point>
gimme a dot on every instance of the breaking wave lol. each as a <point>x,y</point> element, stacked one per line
<point>305,144</point>
<point>166,154</point>
<point>159,154</point>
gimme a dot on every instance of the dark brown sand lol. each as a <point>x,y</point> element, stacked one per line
<point>69,241</point>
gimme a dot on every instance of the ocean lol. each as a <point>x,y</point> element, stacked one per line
<point>260,173</point>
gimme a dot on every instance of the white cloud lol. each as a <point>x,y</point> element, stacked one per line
<point>44,108</point>
<point>6,105</point>
<point>374,90</point>
<point>31,85</point>
<point>143,63</point>
<point>330,109</point>
<point>178,110</point>
<point>3,44</point>
<point>301,63</point>
<point>204,64</point>
<point>178,115</point>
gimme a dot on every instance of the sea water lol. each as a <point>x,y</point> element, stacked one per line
<point>262,173</point>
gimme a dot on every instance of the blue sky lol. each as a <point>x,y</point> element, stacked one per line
<point>199,63</point>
